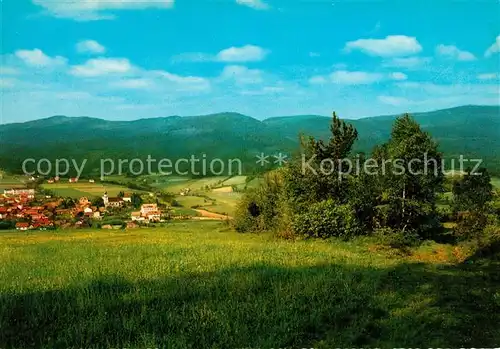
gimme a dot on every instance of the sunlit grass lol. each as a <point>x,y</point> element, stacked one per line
<point>201,285</point>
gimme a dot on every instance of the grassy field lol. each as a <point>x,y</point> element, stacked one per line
<point>11,182</point>
<point>201,285</point>
<point>224,203</point>
<point>495,181</point>
<point>77,190</point>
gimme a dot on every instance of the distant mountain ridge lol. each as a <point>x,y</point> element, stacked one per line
<point>472,131</point>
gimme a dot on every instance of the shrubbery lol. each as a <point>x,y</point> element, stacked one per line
<point>399,208</point>
<point>327,219</point>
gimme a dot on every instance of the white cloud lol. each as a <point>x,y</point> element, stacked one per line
<point>89,10</point>
<point>187,83</point>
<point>344,77</point>
<point>318,79</point>
<point>453,52</point>
<point>314,54</point>
<point>102,66</point>
<point>247,53</point>
<point>255,4</point>
<point>391,46</point>
<point>407,62</point>
<point>494,48</point>
<point>90,46</point>
<point>398,76</point>
<point>140,83</point>
<point>395,101</point>
<point>242,75</point>
<point>488,76</point>
<point>36,58</point>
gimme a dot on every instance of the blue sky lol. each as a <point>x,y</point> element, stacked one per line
<point>124,60</point>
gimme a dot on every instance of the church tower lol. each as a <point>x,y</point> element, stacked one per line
<point>105,199</point>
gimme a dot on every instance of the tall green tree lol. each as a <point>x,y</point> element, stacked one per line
<point>412,177</point>
<point>472,191</point>
<point>136,200</point>
<point>319,172</point>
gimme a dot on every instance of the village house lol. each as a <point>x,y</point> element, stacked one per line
<point>147,208</point>
<point>112,202</point>
<point>154,216</point>
<point>148,213</point>
<point>22,226</point>
<point>137,217</point>
<point>84,201</point>
<point>127,198</point>
<point>73,180</point>
<point>29,193</point>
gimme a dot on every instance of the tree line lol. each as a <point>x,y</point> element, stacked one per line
<point>401,207</point>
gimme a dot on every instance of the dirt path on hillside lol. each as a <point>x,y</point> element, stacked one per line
<point>210,215</point>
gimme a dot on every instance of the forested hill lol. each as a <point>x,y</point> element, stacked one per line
<point>473,131</point>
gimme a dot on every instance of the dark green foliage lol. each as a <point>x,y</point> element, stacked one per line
<point>471,195</point>
<point>397,239</point>
<point>98,202</point>
<point>67,203</point>
<point>7,224</point>
<point>470,224</point>
<point>259,210</point>
<point>472,191</point>
<point>327,219</point>
<point>411,179</point>
<point>136,200</point>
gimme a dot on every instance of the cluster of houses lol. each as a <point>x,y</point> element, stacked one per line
<point>148,213</point>
<point>15,205</point>
<point>84,208</point>
<point>71,180</point>
<point>18,205</point>
<point>116,202</point>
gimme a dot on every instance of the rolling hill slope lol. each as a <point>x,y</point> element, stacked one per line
<point>473,131</point>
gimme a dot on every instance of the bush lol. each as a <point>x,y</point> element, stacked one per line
<point>397,238</point>
<point>250,217</point>
<point>470,225</point>
<point>6,225</point>
<point>327,219</point>
<point>484,245</point>
<point>260,209</point>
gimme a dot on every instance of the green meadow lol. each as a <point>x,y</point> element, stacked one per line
<point>202,285</point>
<point>77,190</point>
<point>495,181</point>
<point>10,182</point>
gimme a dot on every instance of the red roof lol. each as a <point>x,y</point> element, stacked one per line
<point>22,225</point>
<point>31,212</point>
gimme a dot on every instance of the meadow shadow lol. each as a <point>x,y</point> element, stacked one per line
<point>265,306</point>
